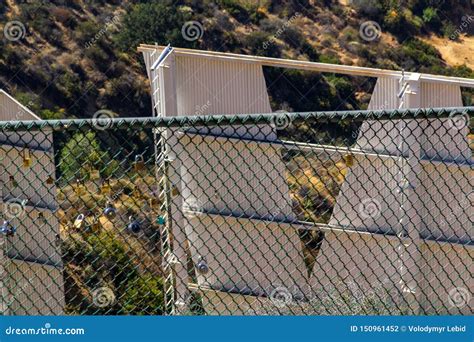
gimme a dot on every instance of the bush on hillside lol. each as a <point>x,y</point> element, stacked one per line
<point>153,23</point>
<point>262,44</point>
<point>83,153</point>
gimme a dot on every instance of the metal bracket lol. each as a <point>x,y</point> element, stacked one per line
<point>162,57</point>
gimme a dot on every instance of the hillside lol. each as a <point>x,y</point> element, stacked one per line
<point>69,59</point>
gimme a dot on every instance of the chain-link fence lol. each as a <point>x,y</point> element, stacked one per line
<point>311,213</point>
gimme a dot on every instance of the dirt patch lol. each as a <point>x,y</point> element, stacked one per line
<point>455,52</point>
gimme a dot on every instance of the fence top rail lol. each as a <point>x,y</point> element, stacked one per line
<point>242,119</point>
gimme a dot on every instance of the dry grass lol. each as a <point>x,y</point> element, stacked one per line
<point>454,52</point>
<point>314,184</point>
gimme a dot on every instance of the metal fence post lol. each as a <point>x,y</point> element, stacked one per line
<point>410,219</point>
<point>4,293</point>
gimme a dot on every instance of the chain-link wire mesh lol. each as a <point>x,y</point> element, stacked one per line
<point>301,213</point>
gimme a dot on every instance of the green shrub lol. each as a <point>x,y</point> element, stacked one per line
<point>105,260</point>
<point>420,53</point>
<point>142,295</point>
<point>125,94</point>
<point>331,59</point>
<point>372,9</point>
<point>293,36</point>
<point>48,114</point>
<point>396,23</point>
<point>86,31</point>
<point>262,44</point>
<point>342,84</point>
<point>98,56</point>
<point>30,100</point>
<point>40,19</point>
<point>271,26</point>
<point>153,23</point>
<point>12,60</point>
<point>65,16</point>
<point>235,9</point>
<point>301,90</point>
<point>219,39</point>
<point>69,86</point>
<point>431,18</point>
<point>449,30</point>
<point>83,153</point>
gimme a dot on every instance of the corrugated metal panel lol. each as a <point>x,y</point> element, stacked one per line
<point>224,303</point>
<point>446,267</point>
<point>438,139</point>
<point>206,86</point>
<point>381,136</point>
<point>240,256</point>
<point>12,110</point>
<point>441,139</point>
<point>29,183</point>
<point>150,57</point>
<point>368,261</point>
<point>447,207</point>
<point>35,289</point>
<point>35,239</point>
<point>230,87</point>
<point>438,190</point>
<point>209,86</point>
<point>148,62</point>
<point>36,140</point>
<point>436,95</point>
<point>363,263</point>
<point>368,198</point>
<point>384,96</point>
<point>238,177</point>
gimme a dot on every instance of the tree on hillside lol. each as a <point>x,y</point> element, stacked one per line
<point>81,154</point>
<point>153,23</point>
